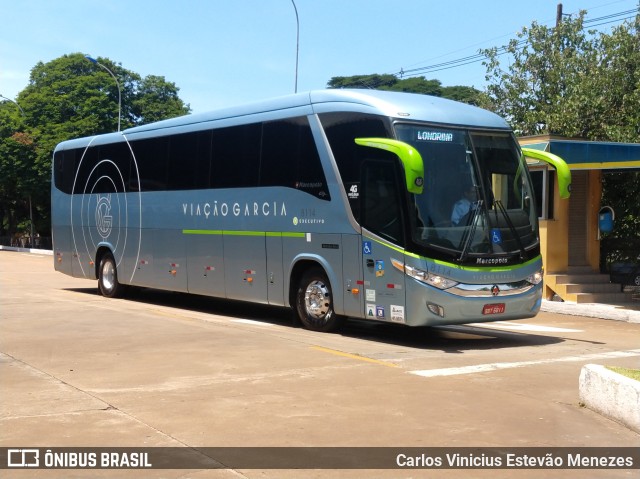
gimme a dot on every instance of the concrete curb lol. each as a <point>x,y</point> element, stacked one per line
<point>611,394</point>
<point>27,250</point>
<point>594,310</point>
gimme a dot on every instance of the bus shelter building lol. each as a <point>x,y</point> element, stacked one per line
<point>570,230</point>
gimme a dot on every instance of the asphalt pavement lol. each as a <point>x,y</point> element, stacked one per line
<point>162,370</point>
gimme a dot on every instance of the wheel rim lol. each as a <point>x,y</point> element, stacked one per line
<point>108,276</point>
<point>317,299</point>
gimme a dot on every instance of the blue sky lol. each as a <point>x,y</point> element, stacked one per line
<point>225,52</point>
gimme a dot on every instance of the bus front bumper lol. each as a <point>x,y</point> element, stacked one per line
<point>438,307</point>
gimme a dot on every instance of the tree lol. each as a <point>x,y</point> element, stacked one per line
<point>17,154</point>
<point>615,87</point>
<point>568,81</point>
<point>419,85</point>
<point>373,81</point>
<point>464,94</point>
<point>68,97</point>
<point>547,64</point>
<point>156,99</point>
<point>575,83</point>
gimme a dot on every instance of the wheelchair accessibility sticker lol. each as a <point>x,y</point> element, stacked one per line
<point>496,236</point>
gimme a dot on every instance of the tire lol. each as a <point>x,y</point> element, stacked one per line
<point>108,277</point>
<point>314,302</point>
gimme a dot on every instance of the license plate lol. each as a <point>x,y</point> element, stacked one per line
<point>496,308</point>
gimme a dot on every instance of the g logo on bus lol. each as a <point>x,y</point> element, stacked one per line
<point>106,209</point>
<point>104,220</point>
<point>495,291</point>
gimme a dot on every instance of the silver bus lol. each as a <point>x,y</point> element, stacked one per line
<point>382,206</point>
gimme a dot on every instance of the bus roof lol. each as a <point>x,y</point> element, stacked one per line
<point>408,106</point>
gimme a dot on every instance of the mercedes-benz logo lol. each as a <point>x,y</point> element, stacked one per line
<point>495,291</point>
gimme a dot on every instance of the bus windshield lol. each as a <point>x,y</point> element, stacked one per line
<point>477,205</point>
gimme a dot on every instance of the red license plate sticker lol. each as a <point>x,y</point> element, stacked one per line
<point>496,308</point>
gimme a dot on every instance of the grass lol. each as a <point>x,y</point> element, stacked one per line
<point>630,373</point>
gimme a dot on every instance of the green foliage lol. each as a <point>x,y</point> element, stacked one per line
<point>621,190</point>
<point>374,81</point>
<point>575,83</point>
<point>68,97</point>
<point>535,92</point>
<point>18,174</point>
<point>156,99</point>
<point>570,82</point>
<point>409,85</point>
<point>464,94</point>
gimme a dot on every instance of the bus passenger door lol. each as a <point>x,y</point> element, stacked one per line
<point>381,215</point>
<point>245,266</point>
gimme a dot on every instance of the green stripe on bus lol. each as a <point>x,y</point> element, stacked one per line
<point>494,269</point>
<point>201,232</point>
<point>491,269</point>
<point>244,233</point>
<point>285,234</point>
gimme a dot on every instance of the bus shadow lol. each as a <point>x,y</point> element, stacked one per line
<point>202,304</point>
<point>454,339</point>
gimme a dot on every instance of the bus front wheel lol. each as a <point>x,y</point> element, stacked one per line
<point>314,302</point>
<point>108,277</point>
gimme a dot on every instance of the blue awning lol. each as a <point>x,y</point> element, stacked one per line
<point>590,155</point>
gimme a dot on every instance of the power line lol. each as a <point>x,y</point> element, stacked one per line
<point>470,59</point>
<point>613,21</point>
<point>619,14</point>
<point>450,64</point>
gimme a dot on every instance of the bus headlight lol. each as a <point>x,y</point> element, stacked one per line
<point>434,280</point>
<point>440,282</point>
<point>535,278</point>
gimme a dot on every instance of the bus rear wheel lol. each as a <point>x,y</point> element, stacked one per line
<point>314,302</point>
<point>108,277</point>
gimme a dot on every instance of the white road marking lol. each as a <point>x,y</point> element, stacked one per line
<point>481,368</point>
<point>526,327</point>
<point>252,322</point>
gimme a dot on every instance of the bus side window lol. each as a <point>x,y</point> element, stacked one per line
<point>115,164</point>
<point>182,161</point>
<point>236,156</point>
<point>152,159</point>
<point>202,168</point>
<point>290,157</point>
<point>278,165</point>
<point>88,160</point>
<point>66,163</point>
<point>342,128</point>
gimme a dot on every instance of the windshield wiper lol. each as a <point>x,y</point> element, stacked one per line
<point>512,228</point>
<point>471,233</point>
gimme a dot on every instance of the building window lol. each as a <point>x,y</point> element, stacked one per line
<point>543,185</point>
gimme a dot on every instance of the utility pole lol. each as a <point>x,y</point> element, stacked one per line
<point>558,15</point>
<point>297,43</point>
